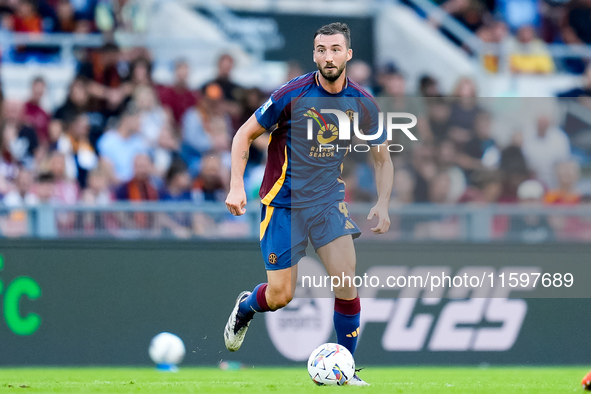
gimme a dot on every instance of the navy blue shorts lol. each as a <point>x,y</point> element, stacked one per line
<point>285,231</point>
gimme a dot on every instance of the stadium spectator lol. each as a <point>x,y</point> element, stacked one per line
<point>472,15</point>
<point>439,226</point>
<point>65,189</point>
<point>473,151</point>
<point>429,87</point>
<point>530,227</point>
<point>22,194</point>
<point>545,145</point>
<point>6,16</point>
<point>469,13</point>
<point>179,97</point>
<point>98,193</point>
<point>138,189</point>
<point>446,163</point>
<point>568,175</point>
<point>75,145</point>
<point>140,73</point>
<point>566,194</point>
<point>206,128</point>
<point>130,16</point>
<point>66,18</point>
<point>439,188</point>
<point>514,172</point>
<point>393,98</point>
<point>497,33</point>
<point>360,72</point>
<point>44,188</point>
<point>34,115</point>
<point>98,189</point>
<point>177,183</point>
<point>485,187</point>
<point>404,185</point>
<point>528,54</point>
<point>155,128</point>
<point>76,101</point>
<point>178,189</point>
<point>27,18</point>
<point>120,146</point>
<point>294,69</point>
<point>423,169</point>
<point>19,141</point>
<point>14,224</point>
<point>106,80</point>
<point>230,89</point>
<point>576,28</point>
<point>140,186</point>
<point>438,113</point>
<point>210,184</point>
<point>463,111</point>
<point>251,100</point>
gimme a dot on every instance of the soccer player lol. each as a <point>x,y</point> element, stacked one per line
<point>307,202</point>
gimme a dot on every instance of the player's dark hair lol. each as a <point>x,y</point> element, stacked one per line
<point>335,28</point>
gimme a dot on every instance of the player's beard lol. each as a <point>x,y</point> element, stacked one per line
<point>334,73</point>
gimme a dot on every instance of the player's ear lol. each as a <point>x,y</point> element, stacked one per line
<point>349,54</point>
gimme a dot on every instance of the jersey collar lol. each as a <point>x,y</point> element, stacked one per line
<point>324,90</point>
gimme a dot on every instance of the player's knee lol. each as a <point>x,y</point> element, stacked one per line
<point>278,299</point>
<point>345,292</point>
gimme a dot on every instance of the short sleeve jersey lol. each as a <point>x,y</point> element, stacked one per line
<point>306,153</point>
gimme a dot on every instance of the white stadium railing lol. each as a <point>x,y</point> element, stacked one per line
<point>410,223</point>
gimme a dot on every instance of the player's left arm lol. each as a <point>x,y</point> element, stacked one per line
<point>384,173</point>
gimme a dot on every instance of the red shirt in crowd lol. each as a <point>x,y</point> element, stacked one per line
<point>29,24</point>
<point>178,99</point>
<point>38,119</point>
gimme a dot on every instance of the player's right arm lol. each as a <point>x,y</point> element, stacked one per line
<point>246,134</point>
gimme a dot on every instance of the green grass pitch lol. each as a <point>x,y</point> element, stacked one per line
<point>291,380</point>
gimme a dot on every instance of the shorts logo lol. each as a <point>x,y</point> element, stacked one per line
<point>272,258</point>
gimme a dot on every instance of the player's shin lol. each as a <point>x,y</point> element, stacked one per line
<point>255,302</point>
<point>346,322</point>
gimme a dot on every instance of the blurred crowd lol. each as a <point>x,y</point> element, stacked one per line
<point>469,153</point>
<point>68,16</point>
<point>522,29</point>
<point>72,16</point>
<point>120,136</point>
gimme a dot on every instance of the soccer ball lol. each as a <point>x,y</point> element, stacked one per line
<point>167,350</point>
<point>331,365</point>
